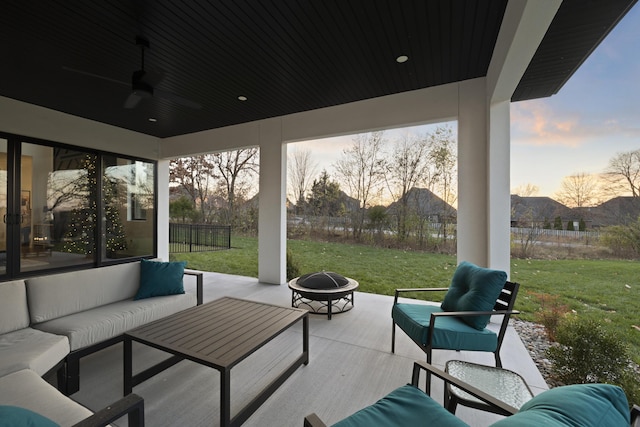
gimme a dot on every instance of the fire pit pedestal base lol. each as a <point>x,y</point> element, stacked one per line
<point>323,301</point>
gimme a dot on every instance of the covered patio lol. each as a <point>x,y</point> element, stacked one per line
<point>350,367</point>
<point>272,75</point>
<point>242,75</point>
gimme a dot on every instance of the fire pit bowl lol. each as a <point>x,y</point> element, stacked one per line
<point>323,292</point>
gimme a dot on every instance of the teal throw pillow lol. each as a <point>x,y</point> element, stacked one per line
<point>584,405</point>
<point>14,416</point>
<point>160,278</point>
<point>405,406</point>
<point>474,288</point>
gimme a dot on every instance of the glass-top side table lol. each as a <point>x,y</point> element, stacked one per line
<point>503,384</point>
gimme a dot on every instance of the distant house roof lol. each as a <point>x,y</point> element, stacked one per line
<point>537,209</point>
<point>350,204</point>
<point>619,210</point>
<point>425,202</point>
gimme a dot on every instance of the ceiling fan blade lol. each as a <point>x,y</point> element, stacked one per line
<point>177,99</point>
<point>98,76</point>
<point>132,100</point>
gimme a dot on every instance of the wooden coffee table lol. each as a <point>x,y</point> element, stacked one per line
<point>219,334</point>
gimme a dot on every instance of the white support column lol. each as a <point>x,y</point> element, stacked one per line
<point>473,191</point>
<point>162,198</point>
<point>272,225</point>
<point>499,243</point>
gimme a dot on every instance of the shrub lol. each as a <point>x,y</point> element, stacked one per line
<point>293,269</point>
<point>589,353</point>
<point>550,312</point>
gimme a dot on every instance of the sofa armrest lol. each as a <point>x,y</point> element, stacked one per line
<point>199,283</point>
<point>131,405</point>
<point>313,420</point>
<point>419,366</point>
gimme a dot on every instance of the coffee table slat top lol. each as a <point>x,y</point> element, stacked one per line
<point>220,333</point>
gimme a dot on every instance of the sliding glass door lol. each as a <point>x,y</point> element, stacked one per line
<point>58,195</point>
<point>67,207</point>
<point>3,206</point>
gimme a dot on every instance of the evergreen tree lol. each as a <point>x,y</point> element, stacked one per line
<point>325,196</point>
<point>80,238</point>
<point>557,223</point>
<point>570,226</point>
<point>582,226</point>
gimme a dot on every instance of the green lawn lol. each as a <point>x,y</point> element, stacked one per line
<point>601,289</point>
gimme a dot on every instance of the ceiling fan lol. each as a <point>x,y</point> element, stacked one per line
<point>143,83</point>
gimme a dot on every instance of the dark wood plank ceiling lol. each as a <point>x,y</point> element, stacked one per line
<point>284,56</point>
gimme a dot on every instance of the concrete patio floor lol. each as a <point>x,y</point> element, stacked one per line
<point>350,367</point>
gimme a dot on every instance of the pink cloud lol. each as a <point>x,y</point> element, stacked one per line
<point>536,123</point>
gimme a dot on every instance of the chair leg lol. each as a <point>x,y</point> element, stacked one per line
<point>498,360</point>
<point>427,387</point>
<point>451,403</point>
<point>393,336</point>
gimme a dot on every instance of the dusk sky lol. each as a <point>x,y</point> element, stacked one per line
<point>595,115</point>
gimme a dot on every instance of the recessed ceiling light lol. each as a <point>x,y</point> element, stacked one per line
<point>153,119</point>
<point>402,58</point>
<point>242,98</point>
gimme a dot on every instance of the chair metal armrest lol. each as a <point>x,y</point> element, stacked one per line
<point>475,313</point>
<point>434,316</point>
<point>312,420</point>
<point>404,290</point>
<point>131,405</point>
<point>199,284</point>
<point>635,416</point>
<point>419,365</point>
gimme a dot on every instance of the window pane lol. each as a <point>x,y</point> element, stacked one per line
<point>57,207</point>
<point>129,200</point>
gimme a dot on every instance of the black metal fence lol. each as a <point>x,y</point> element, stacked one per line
<point>198,237</point>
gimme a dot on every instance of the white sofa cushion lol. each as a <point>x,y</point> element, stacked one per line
<point>101,323</point>
<point>58,295</point>
<point>14,313</point>
<point>31,349</point>
<point>27,390</point>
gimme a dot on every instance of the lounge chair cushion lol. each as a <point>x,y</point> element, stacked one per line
<point>405,406</point>
<point>584,405</point>
<point>474,288</point>
<point>15,416</point>
<point>449,333</point>
<point>160,279</point>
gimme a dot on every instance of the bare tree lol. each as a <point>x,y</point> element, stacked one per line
<point>195,176</point>
<point>444,162</point>
<point>578,190</point>
<point>407,168</point>
<point>301,168</point>
<point>362,170</point>
<point>623,173</point>
<point>235,169</point>
<point>526,190</point>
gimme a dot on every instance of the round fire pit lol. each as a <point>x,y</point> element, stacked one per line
<point>323,292</point>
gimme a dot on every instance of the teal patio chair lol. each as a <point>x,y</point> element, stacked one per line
<point>460,322</point>
<point>584,405</point>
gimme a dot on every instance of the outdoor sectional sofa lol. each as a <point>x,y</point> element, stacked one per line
<point>48,323</point>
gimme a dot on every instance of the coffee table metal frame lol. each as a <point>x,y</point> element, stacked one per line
<point>341,299</point>
<point>219,334</point>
